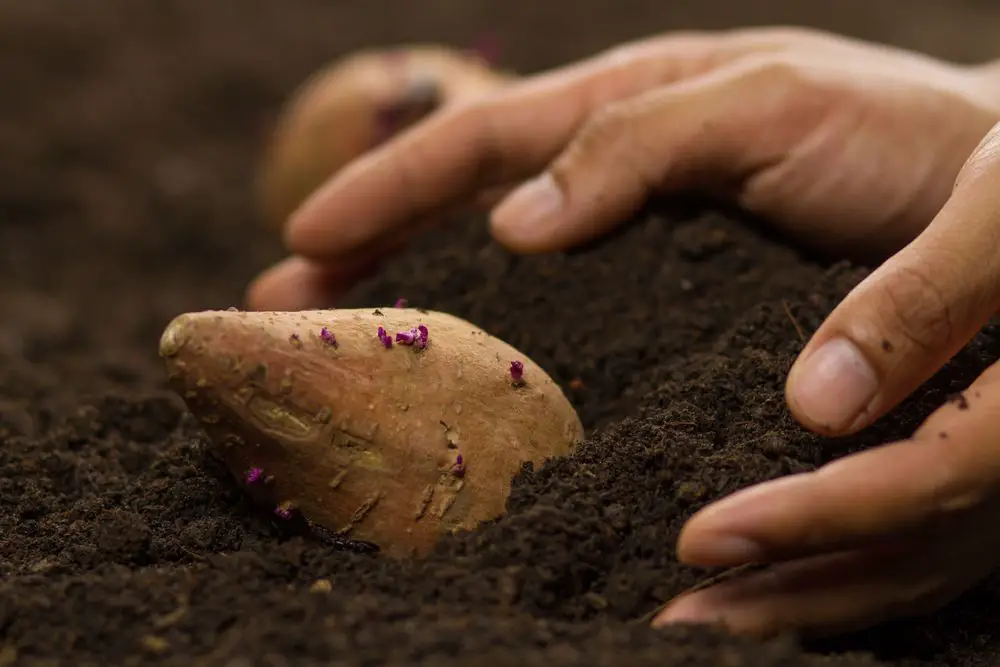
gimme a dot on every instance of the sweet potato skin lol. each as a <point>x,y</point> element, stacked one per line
<point>362,440</point>
<point>337,114</point>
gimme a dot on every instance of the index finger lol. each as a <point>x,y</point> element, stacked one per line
<point>494,141</point>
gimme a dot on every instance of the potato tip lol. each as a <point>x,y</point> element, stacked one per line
<point>174,336</point>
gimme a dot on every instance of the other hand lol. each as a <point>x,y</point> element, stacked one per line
<point>847,146</point>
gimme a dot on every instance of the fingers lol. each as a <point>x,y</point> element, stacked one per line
<point>456,154</point>
<point>505,137</point>
<point>713,131</point>
<point>949,468</point>
<point>902,323</point>
<point>888,532</point>
<point>836,593</point>
<point>298,284</point>
<point>892,490</point>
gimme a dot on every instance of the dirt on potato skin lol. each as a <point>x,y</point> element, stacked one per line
<point>129,138</point>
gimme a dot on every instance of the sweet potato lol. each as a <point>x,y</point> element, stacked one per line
<point>353,105</point>
<point>393,426</point>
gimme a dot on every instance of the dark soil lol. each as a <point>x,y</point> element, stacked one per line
<point>128,137</point>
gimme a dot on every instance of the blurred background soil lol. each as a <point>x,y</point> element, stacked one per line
<point>129,138</point>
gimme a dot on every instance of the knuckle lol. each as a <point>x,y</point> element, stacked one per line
<point>653,48</point>
<point>612,135</point>
<point>797,35</point>
<point>474,122</point>
<point>776,68</point>
<point>610,125</point>
<point>625,55</point>
<point>606,134</point>
<point>471,121</point>
<point>911,305</point>
<point>984,162</point>
<point>788,36</point>
<point>992,139</point>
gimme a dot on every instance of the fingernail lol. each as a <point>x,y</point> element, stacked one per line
<point>528,207</point>
<point>834,385</point>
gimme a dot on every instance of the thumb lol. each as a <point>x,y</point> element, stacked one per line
<point>911,315</point>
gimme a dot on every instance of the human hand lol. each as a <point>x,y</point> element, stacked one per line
<point>847,146</point>
<point>904,528</point>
